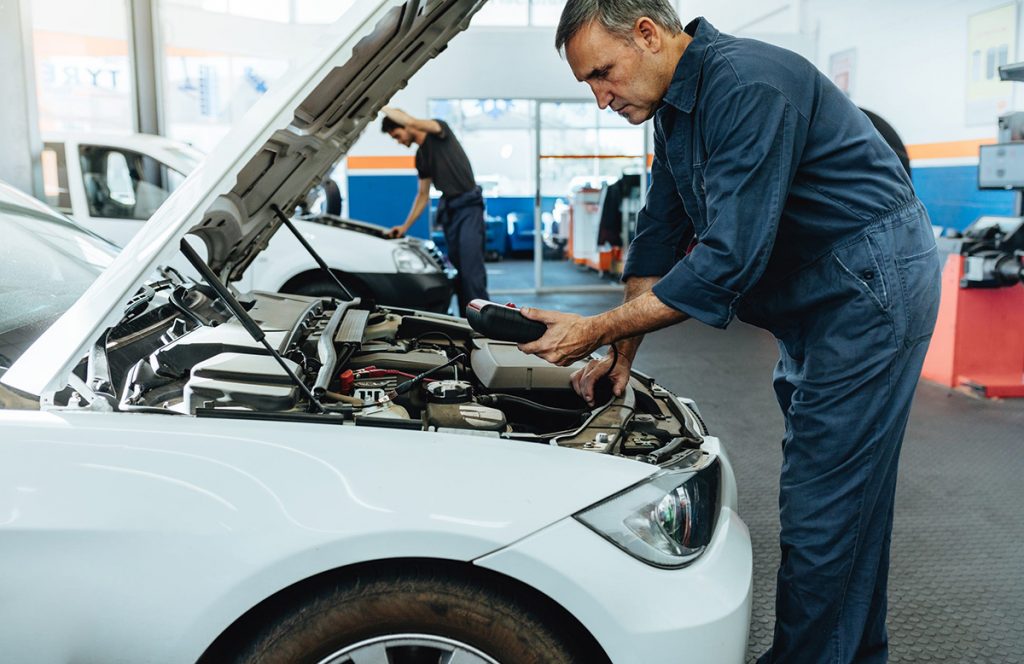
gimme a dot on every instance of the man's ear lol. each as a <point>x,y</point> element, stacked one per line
<point>647,34</point>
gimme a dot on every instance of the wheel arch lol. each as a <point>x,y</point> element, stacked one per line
<point>317,275</point>
<point>231,639</point>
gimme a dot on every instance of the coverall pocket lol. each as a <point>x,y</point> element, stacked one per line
<point>920,280</point>
<point>862,262</point>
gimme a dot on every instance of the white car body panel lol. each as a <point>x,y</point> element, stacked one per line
<point>695,616</point>
<point>179,156</point>
<point>351,251</point>
<point>242,510</point>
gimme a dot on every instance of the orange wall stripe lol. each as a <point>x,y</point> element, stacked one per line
<point>947,150</point>
<point>950,149</point>
<point>365,163</point>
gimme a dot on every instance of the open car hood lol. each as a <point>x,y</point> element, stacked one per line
<point>286,143</point>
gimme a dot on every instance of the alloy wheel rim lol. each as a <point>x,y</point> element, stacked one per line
<point>392,648</point>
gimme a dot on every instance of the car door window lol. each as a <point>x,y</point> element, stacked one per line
<point>123,184</point>
<point>55,177</point>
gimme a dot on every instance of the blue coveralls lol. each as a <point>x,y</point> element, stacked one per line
<point>462,218</point>
<point>798,218</point>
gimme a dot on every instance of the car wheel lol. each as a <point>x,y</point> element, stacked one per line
<point>411,619</point>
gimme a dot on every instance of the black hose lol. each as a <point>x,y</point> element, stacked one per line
<point>495,399</point>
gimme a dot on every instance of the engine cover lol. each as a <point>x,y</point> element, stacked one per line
<point>241,380</point>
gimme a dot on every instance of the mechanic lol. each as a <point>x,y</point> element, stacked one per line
<point>773,199</point>
<point>441,160</point>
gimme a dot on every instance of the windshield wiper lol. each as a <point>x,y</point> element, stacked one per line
<point>251,326</point>
<point>309,248</point>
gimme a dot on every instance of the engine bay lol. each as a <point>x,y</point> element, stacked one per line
<point>363,365</point>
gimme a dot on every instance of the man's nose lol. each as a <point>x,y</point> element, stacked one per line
<point>602,95</point>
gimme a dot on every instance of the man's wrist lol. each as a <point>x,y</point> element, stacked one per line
<point>628,347</point>
<point>599,330</point>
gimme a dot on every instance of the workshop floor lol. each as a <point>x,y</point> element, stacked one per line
<point>957,578</point>
<point>517,273</point>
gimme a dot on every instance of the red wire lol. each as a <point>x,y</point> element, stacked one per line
<point>374,372</point>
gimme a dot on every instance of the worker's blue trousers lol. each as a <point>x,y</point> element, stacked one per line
<point>462,218</point>
<point>853,328</point>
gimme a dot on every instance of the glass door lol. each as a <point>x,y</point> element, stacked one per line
<point>590,167</point>
<point>562,181</point>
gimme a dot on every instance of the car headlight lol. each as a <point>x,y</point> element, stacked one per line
<point>409,260</point>
<point>668,519</point>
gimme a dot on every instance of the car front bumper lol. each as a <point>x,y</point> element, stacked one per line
<point>638,613</point>
<point>431,291</point>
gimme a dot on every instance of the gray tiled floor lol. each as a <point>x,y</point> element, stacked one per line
<point>957,578</point>
<point>517,273</point>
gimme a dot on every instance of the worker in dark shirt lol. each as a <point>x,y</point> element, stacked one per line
<point>772,199</point>
<point>441,161</point>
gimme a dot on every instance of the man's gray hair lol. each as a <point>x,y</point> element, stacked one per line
<point>616,16</point>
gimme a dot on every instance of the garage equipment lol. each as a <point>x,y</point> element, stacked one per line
<point>979,336</point>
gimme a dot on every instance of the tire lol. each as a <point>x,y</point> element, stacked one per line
<point>435,613</point>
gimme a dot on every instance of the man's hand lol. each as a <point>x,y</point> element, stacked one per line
<point>398,115</point>
<point>583,380</point>
<point>570,337</point>
<point>396,231</point>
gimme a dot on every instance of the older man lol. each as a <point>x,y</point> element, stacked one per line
<point>772,199</point>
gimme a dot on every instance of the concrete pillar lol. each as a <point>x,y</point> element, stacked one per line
<point>145,63</point>
<point>19,116</point>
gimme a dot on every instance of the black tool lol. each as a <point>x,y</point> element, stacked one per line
<point>503,322</point>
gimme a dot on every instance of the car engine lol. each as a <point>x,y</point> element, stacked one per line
<point>362,365</point>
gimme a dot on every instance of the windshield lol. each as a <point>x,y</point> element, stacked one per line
<point>46,263</point>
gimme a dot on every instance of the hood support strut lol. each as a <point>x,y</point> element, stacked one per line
<point>309,248</point>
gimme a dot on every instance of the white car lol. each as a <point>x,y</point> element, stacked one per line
<point>112,184</point>
<point>192,472</point>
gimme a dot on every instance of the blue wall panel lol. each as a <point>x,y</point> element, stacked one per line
<point>385,200</point>
<point>952,196</point>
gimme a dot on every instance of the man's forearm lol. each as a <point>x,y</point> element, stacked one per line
<point>640,312</point>
<point>418,206</point>
<point>635,286</point>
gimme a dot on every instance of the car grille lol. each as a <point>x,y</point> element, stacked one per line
<point>435,255</point>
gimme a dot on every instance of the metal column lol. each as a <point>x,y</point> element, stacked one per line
<point>19,114</point>
<point>538,205</point>
<point>144,60</point>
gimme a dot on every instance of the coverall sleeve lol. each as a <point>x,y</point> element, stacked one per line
<point>754,138</point>
<point>661,225</point>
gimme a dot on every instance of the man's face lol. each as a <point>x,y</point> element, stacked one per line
<point>620,73</point>
<point>402,135</point>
